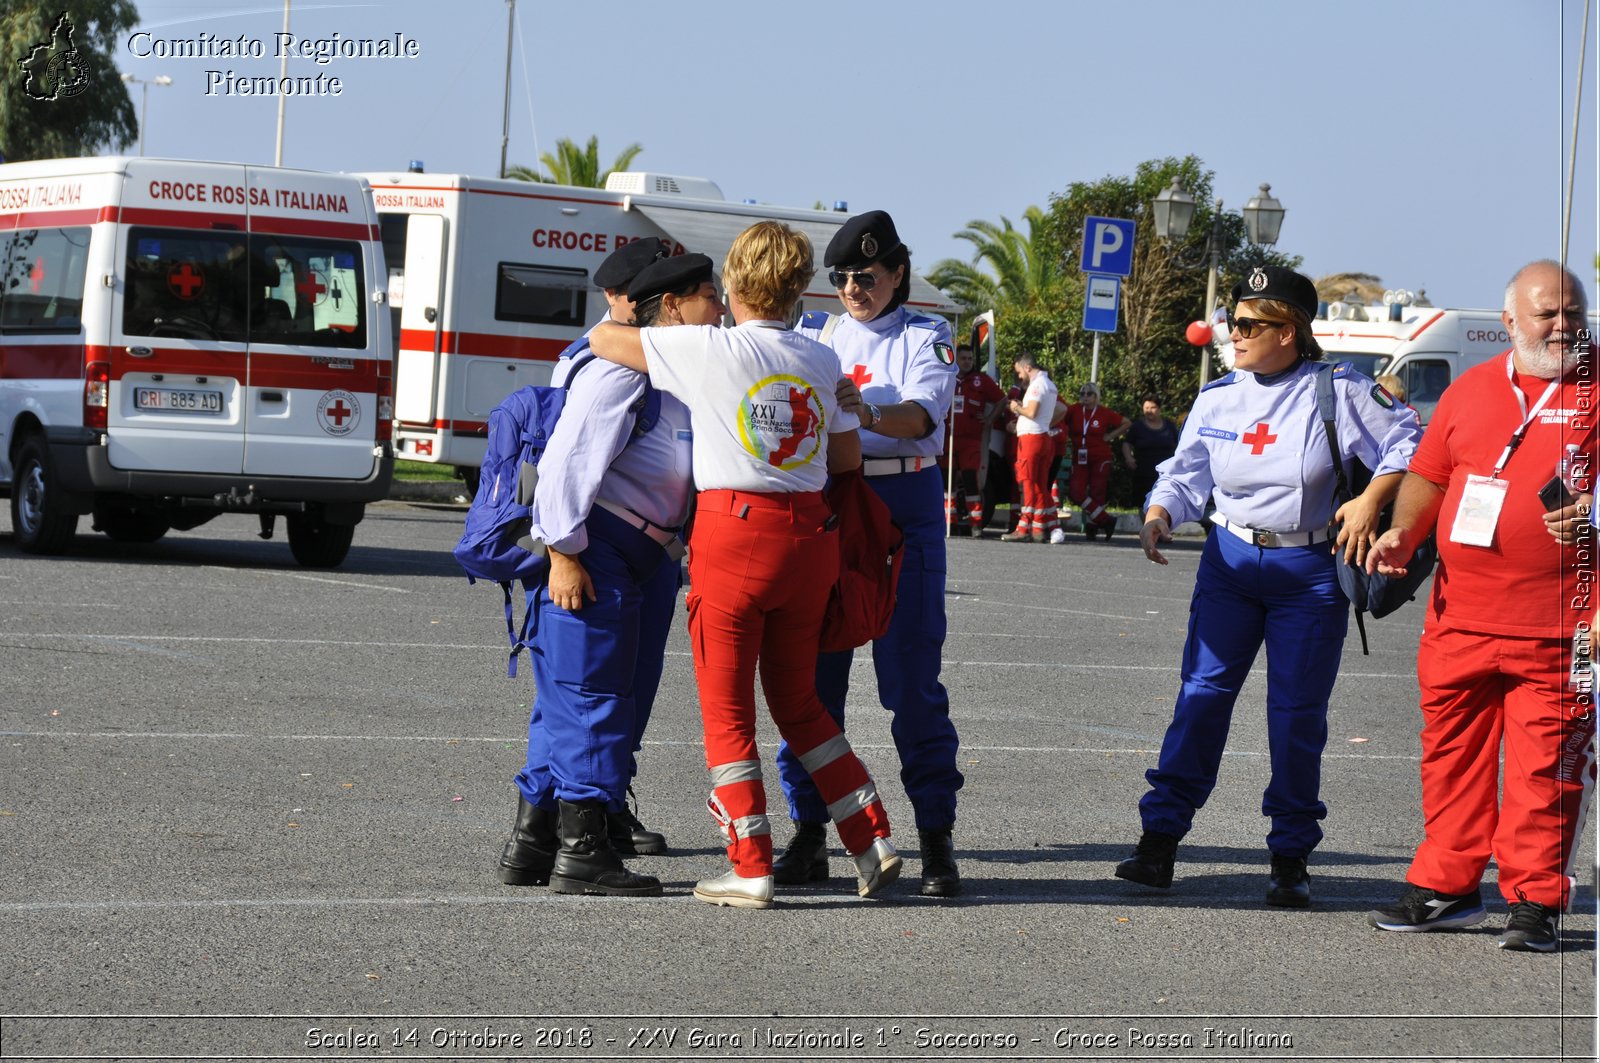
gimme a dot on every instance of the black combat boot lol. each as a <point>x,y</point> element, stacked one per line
<point>1152,860</point>
<point>939,875</point>
<point>587,863</point>
<point>806,858</point>
<point>527,856</point>
<point>630,837</point>
<point>1290,886</point>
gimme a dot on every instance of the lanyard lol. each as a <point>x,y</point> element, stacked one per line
<point>1084,444</point>
<point>1527,415</point>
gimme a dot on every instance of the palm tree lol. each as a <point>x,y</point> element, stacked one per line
<point>574,166</point>
<point>1020,268</point>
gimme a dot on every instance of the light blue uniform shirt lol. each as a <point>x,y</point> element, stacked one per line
<point>589,457</point>
<point>1258,448</point>
<point>898,357</point>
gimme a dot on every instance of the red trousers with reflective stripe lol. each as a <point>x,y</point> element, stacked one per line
<point>1088,490</point>
<point>1477,691</point>
<point>760,570</point>
<point>1035,455</point>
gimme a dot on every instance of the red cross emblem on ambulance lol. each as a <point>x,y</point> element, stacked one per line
<point>185,280</point>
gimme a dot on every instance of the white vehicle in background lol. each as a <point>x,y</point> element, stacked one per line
<point>184,339</point>
<point>490,280</point>
<point>1427,347</point>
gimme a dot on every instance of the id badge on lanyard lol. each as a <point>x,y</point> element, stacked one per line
<point>1484,496</point>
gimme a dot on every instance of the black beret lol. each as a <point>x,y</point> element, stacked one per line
<point>624,264</point>
<point>670,275</point>
<point>1284,285</point>
<point>862,240</point>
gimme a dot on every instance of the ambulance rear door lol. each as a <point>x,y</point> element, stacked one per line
<point>178,348</point>
<point>422,309</point>
<point>310,408</point>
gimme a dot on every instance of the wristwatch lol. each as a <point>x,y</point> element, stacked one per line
<point>877,415</point>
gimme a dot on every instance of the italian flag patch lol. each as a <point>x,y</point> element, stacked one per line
<point>945,353</point>
<point>1382,397</point>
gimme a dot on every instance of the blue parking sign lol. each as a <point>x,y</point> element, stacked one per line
<point>1107,246</point>
<point>1102,298</point>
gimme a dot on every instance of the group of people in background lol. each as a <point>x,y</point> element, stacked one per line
<point>755,421</point>
<point>1056,451</point>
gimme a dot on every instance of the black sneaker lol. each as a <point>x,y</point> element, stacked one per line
<point>1531,928</point>
<point>1290,886</point>
<point>1424,909</point>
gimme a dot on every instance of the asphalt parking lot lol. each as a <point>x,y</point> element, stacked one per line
<point>252,810</point>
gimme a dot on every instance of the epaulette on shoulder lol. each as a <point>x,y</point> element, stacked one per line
<point>814,319</point>
<point>574,348</point>
<point>1343,368</point>
<point>925,321</point>
<point>1231,378</point>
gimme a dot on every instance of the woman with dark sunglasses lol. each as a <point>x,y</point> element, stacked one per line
<point>902,378</point>
<point>1255,443</point>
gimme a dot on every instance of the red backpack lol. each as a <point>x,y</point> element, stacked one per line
<point>861,603</point>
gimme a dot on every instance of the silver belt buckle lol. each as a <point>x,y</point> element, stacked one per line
<point>1265,538</point>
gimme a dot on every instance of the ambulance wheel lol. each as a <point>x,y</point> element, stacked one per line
<point>125,520</point>
<point>317,544</point>
<point>40,522</point>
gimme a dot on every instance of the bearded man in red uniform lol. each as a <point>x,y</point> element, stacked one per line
<point>977,397</point>
<point>1504,475</point>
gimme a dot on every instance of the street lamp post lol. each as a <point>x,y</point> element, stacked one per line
<point>144,102</point>
<point>1174,210</point>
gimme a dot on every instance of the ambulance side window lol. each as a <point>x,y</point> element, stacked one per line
<point>541,295</point>
<point>307,291</point>
<point>41,279</point>
<point>1425,380</point>
<point>186,284</point>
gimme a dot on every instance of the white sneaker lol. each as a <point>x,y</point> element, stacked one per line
<point>878,867</point>
<point>1057,536</point>
<point>731,891</point>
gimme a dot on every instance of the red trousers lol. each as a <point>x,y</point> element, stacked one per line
<point>1477,691</point>
<point>760,570</point>
<point>1035,455</point>
<point>1088,490</point>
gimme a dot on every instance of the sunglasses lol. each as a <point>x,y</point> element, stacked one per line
<point>1249,326</point>
<point>866,280</point>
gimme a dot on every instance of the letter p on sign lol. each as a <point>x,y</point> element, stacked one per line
<point>1107,246</point>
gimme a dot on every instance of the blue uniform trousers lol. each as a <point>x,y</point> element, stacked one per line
<point>1289,598</point>
<point>907,660</point>
<point>596,671</point>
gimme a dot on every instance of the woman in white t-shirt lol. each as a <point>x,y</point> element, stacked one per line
<point>763,555</point>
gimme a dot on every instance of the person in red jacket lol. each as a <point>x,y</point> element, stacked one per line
<point>977,397</point>
<point>1090,430</point>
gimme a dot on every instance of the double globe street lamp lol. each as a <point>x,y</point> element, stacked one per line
<point>1174,211</point>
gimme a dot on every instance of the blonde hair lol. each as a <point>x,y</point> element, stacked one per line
<point>768,268</point>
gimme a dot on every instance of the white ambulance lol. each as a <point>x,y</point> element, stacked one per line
<point>1425,346</point>
<point>184,339</point>
<point>490,280</point>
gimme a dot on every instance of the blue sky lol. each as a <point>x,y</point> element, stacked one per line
<point>1422,140</point>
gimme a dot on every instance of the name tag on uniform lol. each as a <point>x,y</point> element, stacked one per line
<point>1083,457</point>
<point>1479,511</point>
<point>960,403</point>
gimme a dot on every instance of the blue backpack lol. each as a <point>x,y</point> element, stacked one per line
<point>1377,594</point>
<point>497,543</point>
